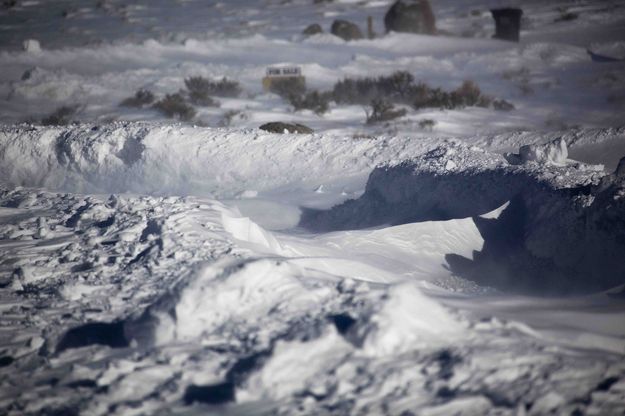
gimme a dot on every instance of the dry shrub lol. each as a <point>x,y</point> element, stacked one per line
<point>382,110</point>
<point>319,102</point>
<point>395,87</point>
<point>294,91</point>
<point>142,98</point>
<point>201,90</point>
<point>175,106</point>
<point>62,116</point>
<point>427,124</point>
<point>288,87</point>
<point>222,88</point>
<point>401,88</point>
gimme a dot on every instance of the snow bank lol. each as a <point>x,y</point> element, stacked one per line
<point>175,160</point>
<point>147,158</point>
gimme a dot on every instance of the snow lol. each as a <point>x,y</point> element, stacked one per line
<point>553,152</point>
<point>208,267</point>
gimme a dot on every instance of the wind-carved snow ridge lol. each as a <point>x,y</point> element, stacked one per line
<point>563,231</point>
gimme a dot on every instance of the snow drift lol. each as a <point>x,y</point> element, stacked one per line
<point>563,231</point>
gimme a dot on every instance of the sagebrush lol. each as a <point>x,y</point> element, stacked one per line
<point>400,88</point>
<point>382,110</point>
<point>62,116</point>
<point>175,106</point>
<point>142,98</point>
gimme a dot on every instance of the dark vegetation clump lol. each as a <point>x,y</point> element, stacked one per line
<point>503,105</point>
<point>9,4</point>
<point>62,116</point>
<point>294,91</point>
<point>319,102</point>
<point>201,87</point>
<point>200,90</point>
<point>396,87</point>
<point>382,110</point>
<point>224,88</point>
<point>401,88</point>
<point>141,98</point>
<point>175,106</point>
<point>467,95</point>
<point>427,124</point>
<point>380,93</point>
<point>565,15</point>
<point>288,87</point>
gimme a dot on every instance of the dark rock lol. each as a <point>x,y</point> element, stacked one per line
<point>313,29</point>
<point>280,127</point>
<point>346,30</point>
<point>507,23</point>
<point>413,16</point>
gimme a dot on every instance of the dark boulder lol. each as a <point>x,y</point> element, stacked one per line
<point>507,23</point>
<point>280,127</point>
<point>346,30</point>
<point>313,29</point>
<point>413,16</point>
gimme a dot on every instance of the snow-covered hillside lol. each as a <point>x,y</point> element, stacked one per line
<point>464,261</point>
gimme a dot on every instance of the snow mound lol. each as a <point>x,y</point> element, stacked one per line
<point>244,296</point>
<point>31,46</point>
<point>406,320</point>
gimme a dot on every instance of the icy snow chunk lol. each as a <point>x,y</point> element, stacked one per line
<point>554,152</point>
<point>238,296</point>
<point>296,366</point>
<point>406,319</point>
<point>31,45</point>
<point>450,165</point>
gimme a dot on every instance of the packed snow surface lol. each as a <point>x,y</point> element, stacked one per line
<point>463,261</point>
